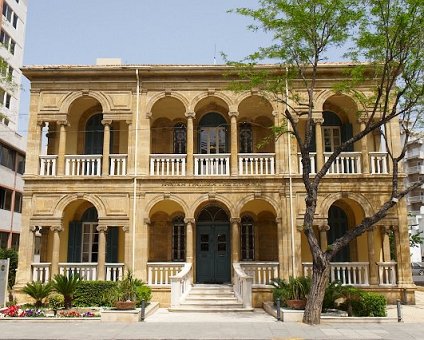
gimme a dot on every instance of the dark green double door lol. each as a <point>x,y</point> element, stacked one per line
<point>213,254</point>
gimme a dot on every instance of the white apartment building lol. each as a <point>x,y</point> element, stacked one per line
<point>12,145</point>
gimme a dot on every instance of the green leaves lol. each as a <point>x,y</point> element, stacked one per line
<point>38,291</point>
<point>67,287</point>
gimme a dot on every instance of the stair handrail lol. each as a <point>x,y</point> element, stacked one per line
<point>242,285</point>
<point>181,284</point>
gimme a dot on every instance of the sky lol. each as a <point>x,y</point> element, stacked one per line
<point>137,31</point>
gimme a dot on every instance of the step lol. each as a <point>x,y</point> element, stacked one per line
<point>210,298</point>
<point>200,309</point>
<point>234,303</point>
<point>210,293</point>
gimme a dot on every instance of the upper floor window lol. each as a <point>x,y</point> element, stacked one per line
<point>10,15</point>
<point>5,198</point>
<point>212,134</point>
<point>180,139</point>
<point>7,42</point>
<point>335,132</point>
<point>7,157</point>
<point>18,202</point>
<point>246,138</point>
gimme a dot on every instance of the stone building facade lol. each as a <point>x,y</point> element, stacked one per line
<point>160,169</point>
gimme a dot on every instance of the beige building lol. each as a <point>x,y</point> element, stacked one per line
<point>158,169</point>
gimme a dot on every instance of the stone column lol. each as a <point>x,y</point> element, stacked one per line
<point>319,143</point>
<point>35,151</point>
<point>106,147</point>
<point>101,259</point>
<point>386,243</point>
<point>281,255</point>
<point>144,253</point>
<point>279,146</point>
<point>364,149</point>
<point>371,258</point>
<point>234,143</point>
<point>56,249</point>
<point>189,239</point>
<point>235,239</point>
<point>323,236</point>
<point>62,147</point>
<point>190,142</point>
<point>131,148</point>
<point>127,247</point>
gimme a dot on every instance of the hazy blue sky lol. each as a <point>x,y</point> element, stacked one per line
<point>137,31</point>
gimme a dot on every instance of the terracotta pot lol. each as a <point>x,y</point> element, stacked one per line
<point>296,304</point>
<point>125,305</point>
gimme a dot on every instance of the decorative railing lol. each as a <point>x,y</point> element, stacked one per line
<point>387,273</point>
<point>256,164</point>
<point>159,273</point>
<point>312,155</point>
<point>212,165</point>
<point>242,285</point>
<point>48,165</point>
<point>345,163</point>
<point>41,272</point>
<point>181,284</point>
<point>261,272</point>
<point>118,165</point>
<point>86,271</point>
<point>378,162</point>
<point>83,165</point>
<point>114,271</point>
<point>347,273</point>
<point>168,165</point>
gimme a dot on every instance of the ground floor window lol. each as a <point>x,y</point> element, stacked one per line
<point>90,242</point>
<point>247,239</point>
<point>178,239</point>
<point>4,236</point>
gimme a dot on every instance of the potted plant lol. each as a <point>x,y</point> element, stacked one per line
<point>126,292</point>
<point>293,292</point>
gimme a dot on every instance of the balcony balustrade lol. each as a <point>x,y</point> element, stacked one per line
<point>378,162</point>
<point>212,165</point>
<point>118,165</point>
<point>313,156</point>
<point>83,165</point>
<point>168,165</point>
<point>159,273</point>
<point>48,165</point>
<point>345,163</point>
<point>261,272</point>
<point>252,164</point>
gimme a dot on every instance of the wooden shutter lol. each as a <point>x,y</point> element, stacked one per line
<point>112,239</point>
<point>74,241</point>
<point>347,133</point>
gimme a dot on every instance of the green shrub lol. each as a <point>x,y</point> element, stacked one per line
<point>94,293</point>
<point>332,293</point>
<point>38,291</point>
<point>297,288</point>
<point>369,304</point>
<point>55,302</point>
<point>143,292</point>
<point>67,287</point>
<point>13,265</point>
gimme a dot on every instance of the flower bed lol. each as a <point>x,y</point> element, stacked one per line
<point>16,311</point>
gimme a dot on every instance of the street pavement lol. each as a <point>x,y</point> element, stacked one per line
<point>256,325</point>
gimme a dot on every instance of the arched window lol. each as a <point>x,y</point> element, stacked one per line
<point>94,135</point>
<point>246,138</point>
<point>337,220</point>
<point>180,138</point>
<point>335,132</point>
<point>90,236</point>
<point>247,239</point>
<point>178,239</point>
<point>212,134</point>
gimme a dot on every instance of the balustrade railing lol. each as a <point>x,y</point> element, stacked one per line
<point>181,284</point>
<point>347,273</point>
<point>83,165</point>
<point>345,163</point>
<point>114,271</point>
<point>168,165</point>
<point>387,273</point>
<point>256,164</point>
<point>159,273</point>
<point>118,165</point>
<point>242,285</point>
<point>212,165</point>
<point>261,272</point>
<point>48,165</point>
<point>378,162</point>
<point>41,272</point>
<point>312,155</point>
<point>86,271</point>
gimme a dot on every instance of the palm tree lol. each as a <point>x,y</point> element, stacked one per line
<point>66,286</point>
<point>38,291</point>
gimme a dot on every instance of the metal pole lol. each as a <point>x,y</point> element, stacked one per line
<point>142,310</point>
<point>278,309</point>
<point>399,311</point>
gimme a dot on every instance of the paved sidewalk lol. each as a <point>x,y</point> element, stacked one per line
<point>256,325</point>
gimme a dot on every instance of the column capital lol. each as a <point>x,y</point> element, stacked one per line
<point>128,121</point>
<point>235,220</point>
<point>101,228</point>
<point>149,115</point>
<point>125,229</point>
<point>318,120</point>
<point>147,221</point>
<point>190,114</point>
<point>106,121</point>
<point>278,220</point>
<point>233,114</point>
<point>190,220</point>
<point>56,228</point>
<point>34,228</point>
<point>40,123</point>
<point>63,122</point>
<point>324,227</point>
<point>362,120</point>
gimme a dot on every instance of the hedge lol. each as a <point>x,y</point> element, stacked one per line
<point>93,293</point>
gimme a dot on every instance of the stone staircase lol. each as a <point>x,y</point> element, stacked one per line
<point>211,298</point>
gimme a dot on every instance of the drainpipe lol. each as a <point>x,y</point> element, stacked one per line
<point>135,168</point>
<point>290,185</point>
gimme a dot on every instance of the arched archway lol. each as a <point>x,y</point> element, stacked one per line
<point>213,253</point>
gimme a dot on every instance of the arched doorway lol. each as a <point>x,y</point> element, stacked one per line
<point>212,134</point>
<point>94,135</point>
<point>338,222</point>
<point>213,253</point>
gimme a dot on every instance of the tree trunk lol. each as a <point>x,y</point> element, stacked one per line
<point>320,275</point>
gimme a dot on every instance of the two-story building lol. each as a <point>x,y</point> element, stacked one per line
<point>162,170</point>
